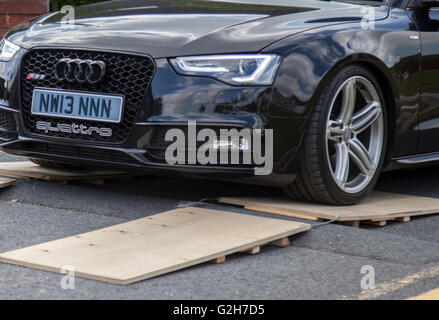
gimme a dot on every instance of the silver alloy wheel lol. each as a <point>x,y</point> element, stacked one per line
<point>355,134</point>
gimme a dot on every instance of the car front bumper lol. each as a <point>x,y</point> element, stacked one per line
<point>171,101</point>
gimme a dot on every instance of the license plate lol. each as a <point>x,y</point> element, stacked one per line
<point>76,105</point>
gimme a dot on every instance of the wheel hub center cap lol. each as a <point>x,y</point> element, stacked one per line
<point>346,134</point>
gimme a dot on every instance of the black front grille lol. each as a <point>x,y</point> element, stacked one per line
<point>8,126</point>
<point>7,135</point>
<point>127,75</point>
<point>7,121</point>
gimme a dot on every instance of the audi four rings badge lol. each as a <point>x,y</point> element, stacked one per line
<point>80,70</point>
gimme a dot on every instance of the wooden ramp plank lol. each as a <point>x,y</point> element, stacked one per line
<point>379,206</point>
<point>6,182</point>
<point>155,245</point>
<point>27,169</point>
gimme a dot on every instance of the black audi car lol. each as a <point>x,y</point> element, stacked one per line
<point>347,88</point>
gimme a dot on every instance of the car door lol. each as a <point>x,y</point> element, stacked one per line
<point>428,118</point>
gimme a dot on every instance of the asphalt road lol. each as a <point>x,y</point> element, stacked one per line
<point>324,263</point>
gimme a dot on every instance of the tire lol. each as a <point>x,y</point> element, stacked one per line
<point>345,141</point>
<point>50,164</point>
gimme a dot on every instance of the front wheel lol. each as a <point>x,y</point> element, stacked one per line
<point>346,136</point>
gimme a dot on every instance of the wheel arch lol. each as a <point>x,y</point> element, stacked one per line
<point>387,84</point>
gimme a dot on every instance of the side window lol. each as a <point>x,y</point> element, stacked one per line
<point>433,15</point>
<point>427,19</point>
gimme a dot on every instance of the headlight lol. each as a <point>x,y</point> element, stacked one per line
<point>7,50</point>
<point>255,69</point>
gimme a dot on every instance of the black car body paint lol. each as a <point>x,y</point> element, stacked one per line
<point>315,39</point>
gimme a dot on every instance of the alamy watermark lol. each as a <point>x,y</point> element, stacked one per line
<point>368,280</point>
<point>68,280</point>
<point>68,19</point>
<point>229,147</point>
<point>368,19</point>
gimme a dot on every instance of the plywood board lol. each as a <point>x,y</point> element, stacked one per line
<point>155,245</point>
<point>27,169</point>
<point>6,182</point>
<point>378,206</point>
